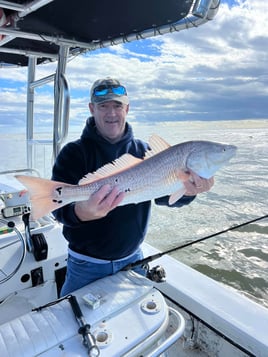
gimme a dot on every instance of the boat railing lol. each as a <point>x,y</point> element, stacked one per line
<point>170,340</point>
<point>25,171</point>
<point>61,106</point>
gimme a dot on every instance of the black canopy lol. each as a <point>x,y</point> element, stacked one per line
<point>82,25</point>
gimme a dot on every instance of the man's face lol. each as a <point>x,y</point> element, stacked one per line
<point>110,119</point>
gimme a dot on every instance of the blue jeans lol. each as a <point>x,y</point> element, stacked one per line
<point>81,272</point>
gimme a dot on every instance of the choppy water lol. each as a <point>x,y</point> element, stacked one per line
<point>238,258</point>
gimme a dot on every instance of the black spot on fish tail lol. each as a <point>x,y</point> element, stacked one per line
<point>59,190</point>
<point>57,201</point>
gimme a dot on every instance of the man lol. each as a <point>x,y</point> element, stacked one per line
<point>103,238</point>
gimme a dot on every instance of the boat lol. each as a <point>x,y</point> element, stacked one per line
<point>176,310</point>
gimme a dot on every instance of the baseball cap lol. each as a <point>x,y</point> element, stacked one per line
<point>104,90</point>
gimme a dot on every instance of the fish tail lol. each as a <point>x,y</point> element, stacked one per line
<point>41,192</point>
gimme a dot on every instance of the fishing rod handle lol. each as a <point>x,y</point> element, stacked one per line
<point>142,261</point>
<point>76,308</point>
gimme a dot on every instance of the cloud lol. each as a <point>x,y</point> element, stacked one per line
<point>217,71</point>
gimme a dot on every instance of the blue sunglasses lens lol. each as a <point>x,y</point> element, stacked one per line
<point>120,90</point>
<point>103,90</point>
<point>100,91</point>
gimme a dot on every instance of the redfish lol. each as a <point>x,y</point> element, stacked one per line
<point>161,172</point>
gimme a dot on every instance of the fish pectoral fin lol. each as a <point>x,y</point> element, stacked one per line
<point>183,176</point>
<point>157,144</point>
<point>123,163</point>
<point>176,195</point>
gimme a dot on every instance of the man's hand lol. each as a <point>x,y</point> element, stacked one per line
<point>99,204</point>
<point>197,184</point>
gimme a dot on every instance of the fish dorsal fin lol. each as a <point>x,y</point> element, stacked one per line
<point>122,163</point>
<point>157,144</point>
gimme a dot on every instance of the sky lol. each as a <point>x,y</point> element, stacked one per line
<point>218,71</point>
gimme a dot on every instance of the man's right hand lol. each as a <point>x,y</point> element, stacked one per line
<point>99,204</point>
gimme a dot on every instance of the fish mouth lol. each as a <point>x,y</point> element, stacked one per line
<point>232,150</point>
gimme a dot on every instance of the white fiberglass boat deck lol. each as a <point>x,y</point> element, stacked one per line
<point>130,318</point>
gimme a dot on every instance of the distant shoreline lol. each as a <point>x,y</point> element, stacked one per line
<point>198,124</point>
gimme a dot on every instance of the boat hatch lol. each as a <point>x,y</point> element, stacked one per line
<point>131,320</point>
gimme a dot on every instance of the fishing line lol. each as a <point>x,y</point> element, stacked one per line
<point>159,255</point>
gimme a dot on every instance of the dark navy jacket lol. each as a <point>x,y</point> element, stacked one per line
<point>122,231</point>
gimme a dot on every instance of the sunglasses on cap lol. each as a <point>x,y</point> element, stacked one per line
<point>105,89</point>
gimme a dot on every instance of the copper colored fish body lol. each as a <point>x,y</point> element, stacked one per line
<point>162,172</point>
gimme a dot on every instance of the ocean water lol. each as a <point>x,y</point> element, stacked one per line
<point>238,258</point>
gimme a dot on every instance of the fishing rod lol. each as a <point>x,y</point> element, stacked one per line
<point>146,260</point>
<point>89,340</point>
